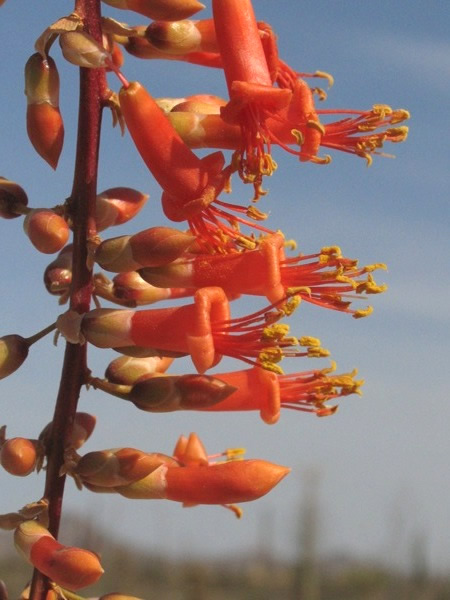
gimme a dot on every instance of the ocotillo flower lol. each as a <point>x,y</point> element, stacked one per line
<point>44,122</point>
<point>47,231</point>
<point>118,205</point>
<point>127,370</point>
<point>13,199</point>
<point>252,96</point>
<point>70,567</point>
<point>164,10</point>
<point>203,330</point>
<point>223,483</point>
<point>326,278</point>
<point>191,185</point>
<point>152,247</point>
<point>251,389</point>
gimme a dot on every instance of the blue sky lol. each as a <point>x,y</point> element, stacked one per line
<point>383,458</point>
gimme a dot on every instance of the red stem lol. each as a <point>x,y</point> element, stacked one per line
<point>81,207</point>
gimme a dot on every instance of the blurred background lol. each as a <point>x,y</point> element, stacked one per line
<point>365,508</point>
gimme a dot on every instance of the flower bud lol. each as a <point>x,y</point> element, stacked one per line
<point>174,37</point>
<point>69,567</point>
<point>152,247</point>
<point>130,286</point>
<point>127,370</point>
<point>118,467</point>
<point>13,352</point>
<point>115,597</point>
<point>44,122</point>
<point>58,274</point>
<point>48,232</point>
<point>164,10</point>
<point>82,429</point>
<point>19,456</point>
<point>116,206</point>
<point>185,392</point>
<point>79,48</point>
<point>223,483</point>
<point>11,195</point>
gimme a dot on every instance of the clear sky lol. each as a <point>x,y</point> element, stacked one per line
<point>382,459</point>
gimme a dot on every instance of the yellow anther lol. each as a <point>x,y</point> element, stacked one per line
<point>307,340</point>
<point>330,369</point>
<point>382,110</point>
<point>372,288</point>
<point>292,291</point>
<point>364,312</point>
<point>275,332</point>
<point>290,244</point>
<point>312,124</point>
<point>370,268</point>
<point>269,366</point>
<point>267,165</point>
<point>271,355</point>
<point>325,75</point>
<point>290,306</point>
<point>255,214</point>
<point>399,115</point>
<point>348,280</point>
<point>236,509</point>
<point>397,134</point>
<point>321,160</point>
<point>318,352</point>
<point>299,137</point>
<point>246,243</point>
<point>234,453</point>
<point>333,251</point>
<point>320,93</point>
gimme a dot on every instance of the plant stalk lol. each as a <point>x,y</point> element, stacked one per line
<point>81,209</point>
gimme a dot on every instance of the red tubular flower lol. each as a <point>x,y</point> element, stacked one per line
<point>203,330</point>
<point>252,96</point>
<point>258,389</point>
<point>69,567</point>
<point>327,278</point>
<point>189,183</point>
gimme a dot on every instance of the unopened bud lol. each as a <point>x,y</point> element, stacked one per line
<point>48,232</point>
<point>185,392</point>
<point>69,567</point>
<point>164,10</point>
<point>82,429</point>
<point>152,247</point>
<point>118,467</point>
<point>116,206</point>
<point>11,195</point>
<point>19,456</point>
<point>174,37</point>
<point>127,370</point>
<point>58,274</point>
<point>13,352</point>
<point>79,48</point>
<point>131,287</point>
<point>44,122</point>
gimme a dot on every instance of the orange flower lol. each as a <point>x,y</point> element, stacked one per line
<point>203,330</point>
<point>327,278</point>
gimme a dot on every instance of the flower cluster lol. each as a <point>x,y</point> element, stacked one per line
<point>220,252</point>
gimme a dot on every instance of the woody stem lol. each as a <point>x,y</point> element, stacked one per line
<point>80,207</point>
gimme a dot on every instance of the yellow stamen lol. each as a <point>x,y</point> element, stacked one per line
<point>364,312</point>
<point>315,125</point>
<point>318,352</point>
<point>307,340</point>
<point>325,75</point>
<point>255,214</point>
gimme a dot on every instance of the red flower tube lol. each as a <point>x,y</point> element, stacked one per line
<point>326,278</point>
